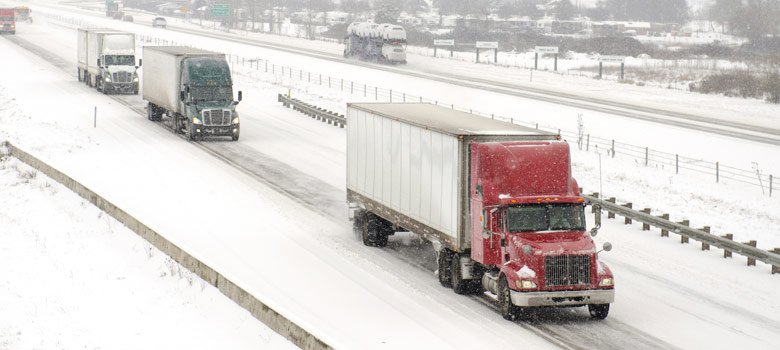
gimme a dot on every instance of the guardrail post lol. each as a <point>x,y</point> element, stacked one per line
<point>391,95</point>
<point>587,143</point>
<point>613,148</point>
<point>676,163</point>
<point>627,220</point>
<point>751,261</point>
<point>775,268</point>
<point>266,66</point>
<point>320,78</point>
<point>328,82</point>
<point>403,97</point>
<point>351,87</point>
<point>717,171</point>
<point>770,185</point>
<point>705,246</point>
<point>309,77</point>
<point>376,93</point>
<point>684,238</point>
<point>593,208</point>
<point>365,87</point>
<point>610,215</point>
<point>647,156</point>
<point>727,253</point>
<point>645,226</point>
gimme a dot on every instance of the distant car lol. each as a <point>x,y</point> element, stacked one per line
<point>127,18</point>
<point>159,22</point>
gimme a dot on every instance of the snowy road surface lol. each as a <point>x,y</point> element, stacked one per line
<point>308,265</point>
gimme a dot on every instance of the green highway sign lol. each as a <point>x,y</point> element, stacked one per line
<point>220,10</point>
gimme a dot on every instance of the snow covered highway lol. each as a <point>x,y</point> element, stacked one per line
<point>269,211</point>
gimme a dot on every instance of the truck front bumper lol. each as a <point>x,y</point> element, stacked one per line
<point>208,130</point>
<point>121,87</point>
<point>563,298</point>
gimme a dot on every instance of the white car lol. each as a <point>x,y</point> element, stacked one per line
<point>159,22</point>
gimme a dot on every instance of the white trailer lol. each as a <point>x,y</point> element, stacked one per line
<point>106,60</point>
<point>408,163</point>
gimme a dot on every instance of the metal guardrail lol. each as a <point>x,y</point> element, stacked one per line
<point>686,232</point>
<point>313,111</point>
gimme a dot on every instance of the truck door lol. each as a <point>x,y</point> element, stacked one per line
<point>485,248</point>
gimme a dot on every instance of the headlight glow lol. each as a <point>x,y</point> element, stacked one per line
<point>108,79</point>
<point>606,282</point>
<point>235,120</point>
<point>135,80</point>
<point>195,120</point>
<point>525,284</point>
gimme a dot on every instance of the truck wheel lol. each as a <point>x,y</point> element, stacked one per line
<point>444,262</point>
<point>372,231</point>
<point>598,311</point>
<point>459,285</point>
<point>234,137</point>
<point>508,310</point>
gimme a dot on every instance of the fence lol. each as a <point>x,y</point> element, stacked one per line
<point>641,154</point>
<point>682,228</point>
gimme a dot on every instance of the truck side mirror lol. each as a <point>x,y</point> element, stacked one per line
<point>240,96</point>
<point>182,95</point>
<point>140,62</point>
<point>98,62</point>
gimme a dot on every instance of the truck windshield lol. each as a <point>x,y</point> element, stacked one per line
<point>6,19</point>
<point>211,93</point>
<point>120,60</point>
<point>545,217</point>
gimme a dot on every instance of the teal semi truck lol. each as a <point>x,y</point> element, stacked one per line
<point>191,91</point>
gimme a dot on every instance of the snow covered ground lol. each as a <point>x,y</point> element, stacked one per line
<point>76,278</point>
<point>302,258</point>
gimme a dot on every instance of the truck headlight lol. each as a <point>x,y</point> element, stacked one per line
<point>135,80</point>
<point>235,120</point>
<point>525,284</point>
<point>195,120</point>
<point>606,282</point>
<point>108,79</point>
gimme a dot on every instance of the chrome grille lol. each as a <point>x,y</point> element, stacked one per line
<point>216,117</point>
<point>122,77</point>
<point>567,270</point>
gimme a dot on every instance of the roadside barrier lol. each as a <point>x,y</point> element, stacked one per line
<point>686,232</point>
<point>259,310</point>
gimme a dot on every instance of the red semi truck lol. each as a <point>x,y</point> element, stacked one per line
<point>497,201</point>
<point>7,20</point>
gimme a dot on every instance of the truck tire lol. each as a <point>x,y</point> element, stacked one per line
<point>598,311</point>
<point>234,137</point>
<point>373,233</point>
<point>459,285</point>
<point>508,310</point>
<point>444,262</point>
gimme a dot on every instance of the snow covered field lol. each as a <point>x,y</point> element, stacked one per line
<point>668,294</point>
<point>75,278</point>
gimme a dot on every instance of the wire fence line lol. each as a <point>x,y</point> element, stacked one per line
<point>641,154</point>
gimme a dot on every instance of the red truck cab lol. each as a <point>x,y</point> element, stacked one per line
<point>7,20</point>
<point>530,238</point>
